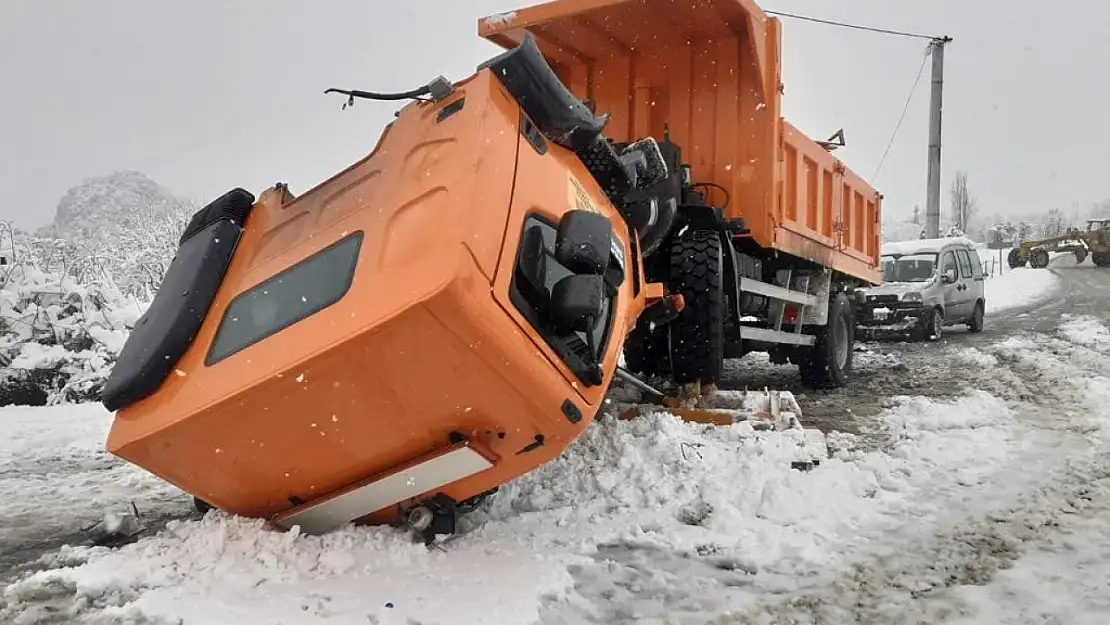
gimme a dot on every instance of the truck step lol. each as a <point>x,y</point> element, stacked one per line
<point>775,336</point>
<point>777,292</point>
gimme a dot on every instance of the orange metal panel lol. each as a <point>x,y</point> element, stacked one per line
<point>419,347</point>
<point>709,72</point>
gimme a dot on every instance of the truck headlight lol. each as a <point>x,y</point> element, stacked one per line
<point>912,296</point>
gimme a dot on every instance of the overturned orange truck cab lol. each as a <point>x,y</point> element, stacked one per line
<point>447,314</point>
<point>439,318</point>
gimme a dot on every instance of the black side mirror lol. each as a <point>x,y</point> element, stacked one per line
<point>584,242</point>
<point>645,163</point>
<point>576,302</point>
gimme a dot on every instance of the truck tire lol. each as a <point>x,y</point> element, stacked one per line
<point>1100,259</point>
<point>697,335</point>
<point>1038,258</point>
<point>828,363</point>
<point>645,352</point>
<point>1015,260</point>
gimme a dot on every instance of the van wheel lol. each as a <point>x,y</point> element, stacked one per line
<point>829,362</point>
<point>976,323</point>
<point>697,335</point>
<point>933,327</point>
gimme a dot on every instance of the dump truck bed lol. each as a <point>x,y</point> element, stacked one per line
<point>709,73</point>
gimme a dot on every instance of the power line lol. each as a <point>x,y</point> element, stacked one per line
<point>856,26</point>
<point>905,108</point>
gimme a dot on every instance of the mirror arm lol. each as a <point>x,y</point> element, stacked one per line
<point>591,344</point>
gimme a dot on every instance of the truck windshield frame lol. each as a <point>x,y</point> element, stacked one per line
<point>535,273</point>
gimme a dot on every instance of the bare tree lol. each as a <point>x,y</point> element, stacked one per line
<point>963,203</point>
<point>1055,223</point>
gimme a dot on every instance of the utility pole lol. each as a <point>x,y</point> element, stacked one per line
<point>932,195</point>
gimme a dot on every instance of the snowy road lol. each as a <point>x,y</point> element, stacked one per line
<point>981,495</point>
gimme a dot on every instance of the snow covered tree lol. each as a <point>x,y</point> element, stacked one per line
<point>1054,224</point>
<point>1024,232</point>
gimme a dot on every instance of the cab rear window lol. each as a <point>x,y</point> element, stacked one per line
<point>286,298</point>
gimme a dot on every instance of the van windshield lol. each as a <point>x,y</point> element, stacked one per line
<point>908,267</point>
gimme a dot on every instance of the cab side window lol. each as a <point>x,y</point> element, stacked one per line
<point>947,261</point>
<point>965,263</point>
<point>976,264</point>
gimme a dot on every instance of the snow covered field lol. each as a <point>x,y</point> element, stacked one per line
<point>657,490</point>
<point>991,505</point>
<point>1014,288</point>
<point>956,518</point>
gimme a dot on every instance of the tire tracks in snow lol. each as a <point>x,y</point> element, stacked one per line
<point>1059,476</point>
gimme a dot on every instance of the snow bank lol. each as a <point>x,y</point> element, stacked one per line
<point>1087,331</point>
<point>1061,575</point>
<point>637,519</point>
<point>232,570</point>
<point>1016,288</point>
<point>59,338</point>
<point>1061,581</point>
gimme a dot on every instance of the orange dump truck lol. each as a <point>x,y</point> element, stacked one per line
<point>765,233</point>
<point>447,313</point>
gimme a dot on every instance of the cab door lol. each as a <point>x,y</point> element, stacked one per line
<point>978,280</point>
<point>965,286</point>
<point>951,290</point>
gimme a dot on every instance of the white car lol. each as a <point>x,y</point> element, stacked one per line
<point>927,284</point>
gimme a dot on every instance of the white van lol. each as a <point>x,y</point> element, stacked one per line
<point>927,284</point>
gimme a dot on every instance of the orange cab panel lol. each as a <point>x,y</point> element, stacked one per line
<point>391,333</point>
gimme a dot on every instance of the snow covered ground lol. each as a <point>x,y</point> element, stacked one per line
<point>990,507</point>
<point>1014,288</point>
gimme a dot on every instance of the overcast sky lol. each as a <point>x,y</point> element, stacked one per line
<point>205,95</point>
